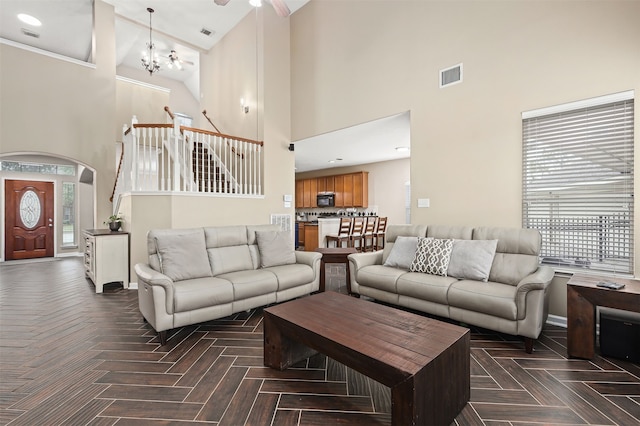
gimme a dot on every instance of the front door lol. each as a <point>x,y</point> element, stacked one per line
<point>28,219</point>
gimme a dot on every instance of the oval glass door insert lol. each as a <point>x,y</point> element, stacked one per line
<point>30,209</point>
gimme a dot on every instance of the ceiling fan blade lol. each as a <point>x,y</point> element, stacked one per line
<point>281,8</point>
<point>221,2</point>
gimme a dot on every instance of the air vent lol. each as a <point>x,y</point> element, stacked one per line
<point>451,76</point>
<point>206,32</point>
<point>30,33</point>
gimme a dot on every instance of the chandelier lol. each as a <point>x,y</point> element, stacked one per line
<point>150,60</point>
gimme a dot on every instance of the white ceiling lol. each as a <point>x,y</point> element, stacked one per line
<point>67,27</point>
<point>365,143</point>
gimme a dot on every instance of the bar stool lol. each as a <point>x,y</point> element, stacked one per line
<point>369,235</point>
<point>357,231</point>
<point>380,233</point>
<point>343,234</point>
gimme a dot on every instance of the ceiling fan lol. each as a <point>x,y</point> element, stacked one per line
<point>280,6</point>
<point>175,61</point>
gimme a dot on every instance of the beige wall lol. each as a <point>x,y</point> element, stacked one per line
<point>351,64</point>
<point>54,106</point>
<point>148,103</point>
<point>387,181</point>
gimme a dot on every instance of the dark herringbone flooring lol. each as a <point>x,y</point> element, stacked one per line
<point>70,356</point>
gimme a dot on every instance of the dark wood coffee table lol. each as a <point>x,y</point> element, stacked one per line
<point>425,362</point>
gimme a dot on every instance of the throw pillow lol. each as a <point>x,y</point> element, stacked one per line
<point>402,253</point>
<point>472,259</point>
<point>183,256</point>
<point>276,248</point>
<point>432,256</point>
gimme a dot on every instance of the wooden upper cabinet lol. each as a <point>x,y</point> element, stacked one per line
<point>351,190</point>
<point>313,184</point>
<point>339,190</point>
<point>347,191</point>
<point>361,189</point>
<point>325,184</point>
<point>322,184</point>
<point>307,193</point>
<point>329,184</point>
<point>299,194</point>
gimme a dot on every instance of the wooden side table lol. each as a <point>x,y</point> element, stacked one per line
<point>583,296</point>
<point>335,255</point>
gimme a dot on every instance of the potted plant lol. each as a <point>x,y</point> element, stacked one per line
<point>115,221</point>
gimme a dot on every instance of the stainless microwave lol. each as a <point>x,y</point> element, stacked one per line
<point>326,199</point>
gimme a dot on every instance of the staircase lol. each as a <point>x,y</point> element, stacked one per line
<point>207,174</point>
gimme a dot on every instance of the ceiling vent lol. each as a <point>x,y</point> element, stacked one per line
<point>206,32</point>
<point>451,76</point>
<point>30,33</point>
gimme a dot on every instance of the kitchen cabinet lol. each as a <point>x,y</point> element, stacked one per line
<point>310,192</point>
<point>310,237</point>
<point>106,257</point>
<point>301,229</point>
<point>326,184</point>
<point>351,190</point>
<point>299,194</point>
<point>339,190</point>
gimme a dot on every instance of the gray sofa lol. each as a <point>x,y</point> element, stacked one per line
<point>505,290</point>
<point>200,274</point>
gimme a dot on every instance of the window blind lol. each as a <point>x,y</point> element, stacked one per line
<point>578,185</point>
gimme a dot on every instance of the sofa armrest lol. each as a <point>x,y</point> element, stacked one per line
<point>539,280</point>
<point>149,276</point>
<point>308,257</point>
<point>360,260</point>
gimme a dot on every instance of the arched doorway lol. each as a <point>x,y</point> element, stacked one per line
<point>48,200</point>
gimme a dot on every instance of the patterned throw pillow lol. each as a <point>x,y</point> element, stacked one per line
<point>432,256</point>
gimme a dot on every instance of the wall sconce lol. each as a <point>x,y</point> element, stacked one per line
<point>245,107</point>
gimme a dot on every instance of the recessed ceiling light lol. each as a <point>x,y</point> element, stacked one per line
<point>29,20</point>
<point>332,161</point>
<point>402,148</point>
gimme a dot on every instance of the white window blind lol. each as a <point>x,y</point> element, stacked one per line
<point>578,184</point>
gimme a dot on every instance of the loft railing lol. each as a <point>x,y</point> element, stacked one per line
<point>175,158</point>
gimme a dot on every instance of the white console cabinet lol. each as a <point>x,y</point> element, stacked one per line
<point>106,257</point>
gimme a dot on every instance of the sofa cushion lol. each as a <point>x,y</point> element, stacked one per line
<point>292,275</point>
<point>183,255</point>
<point>516,255</point>
<point>432,256</point>
<point>429,287</point>
<point>472,259</point>
<point>251,283</point>
<point>492,298</point>
<point>276,248</point>
<point>379,277</point>
<point>402,253</point>
<point>201,293</point>
<point>230,259</point>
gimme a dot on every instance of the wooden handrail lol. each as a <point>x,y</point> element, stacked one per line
<point>193,129</point>
<point>204,112</point>
<point>113,193</point>
<point>168,110</point>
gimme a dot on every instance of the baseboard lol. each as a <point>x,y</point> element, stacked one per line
<point>133,286</point>
<point>557,321</point>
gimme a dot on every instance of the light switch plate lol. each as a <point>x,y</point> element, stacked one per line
<point>423,202</point>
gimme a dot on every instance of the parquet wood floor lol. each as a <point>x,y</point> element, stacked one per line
<point>69,356</point>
